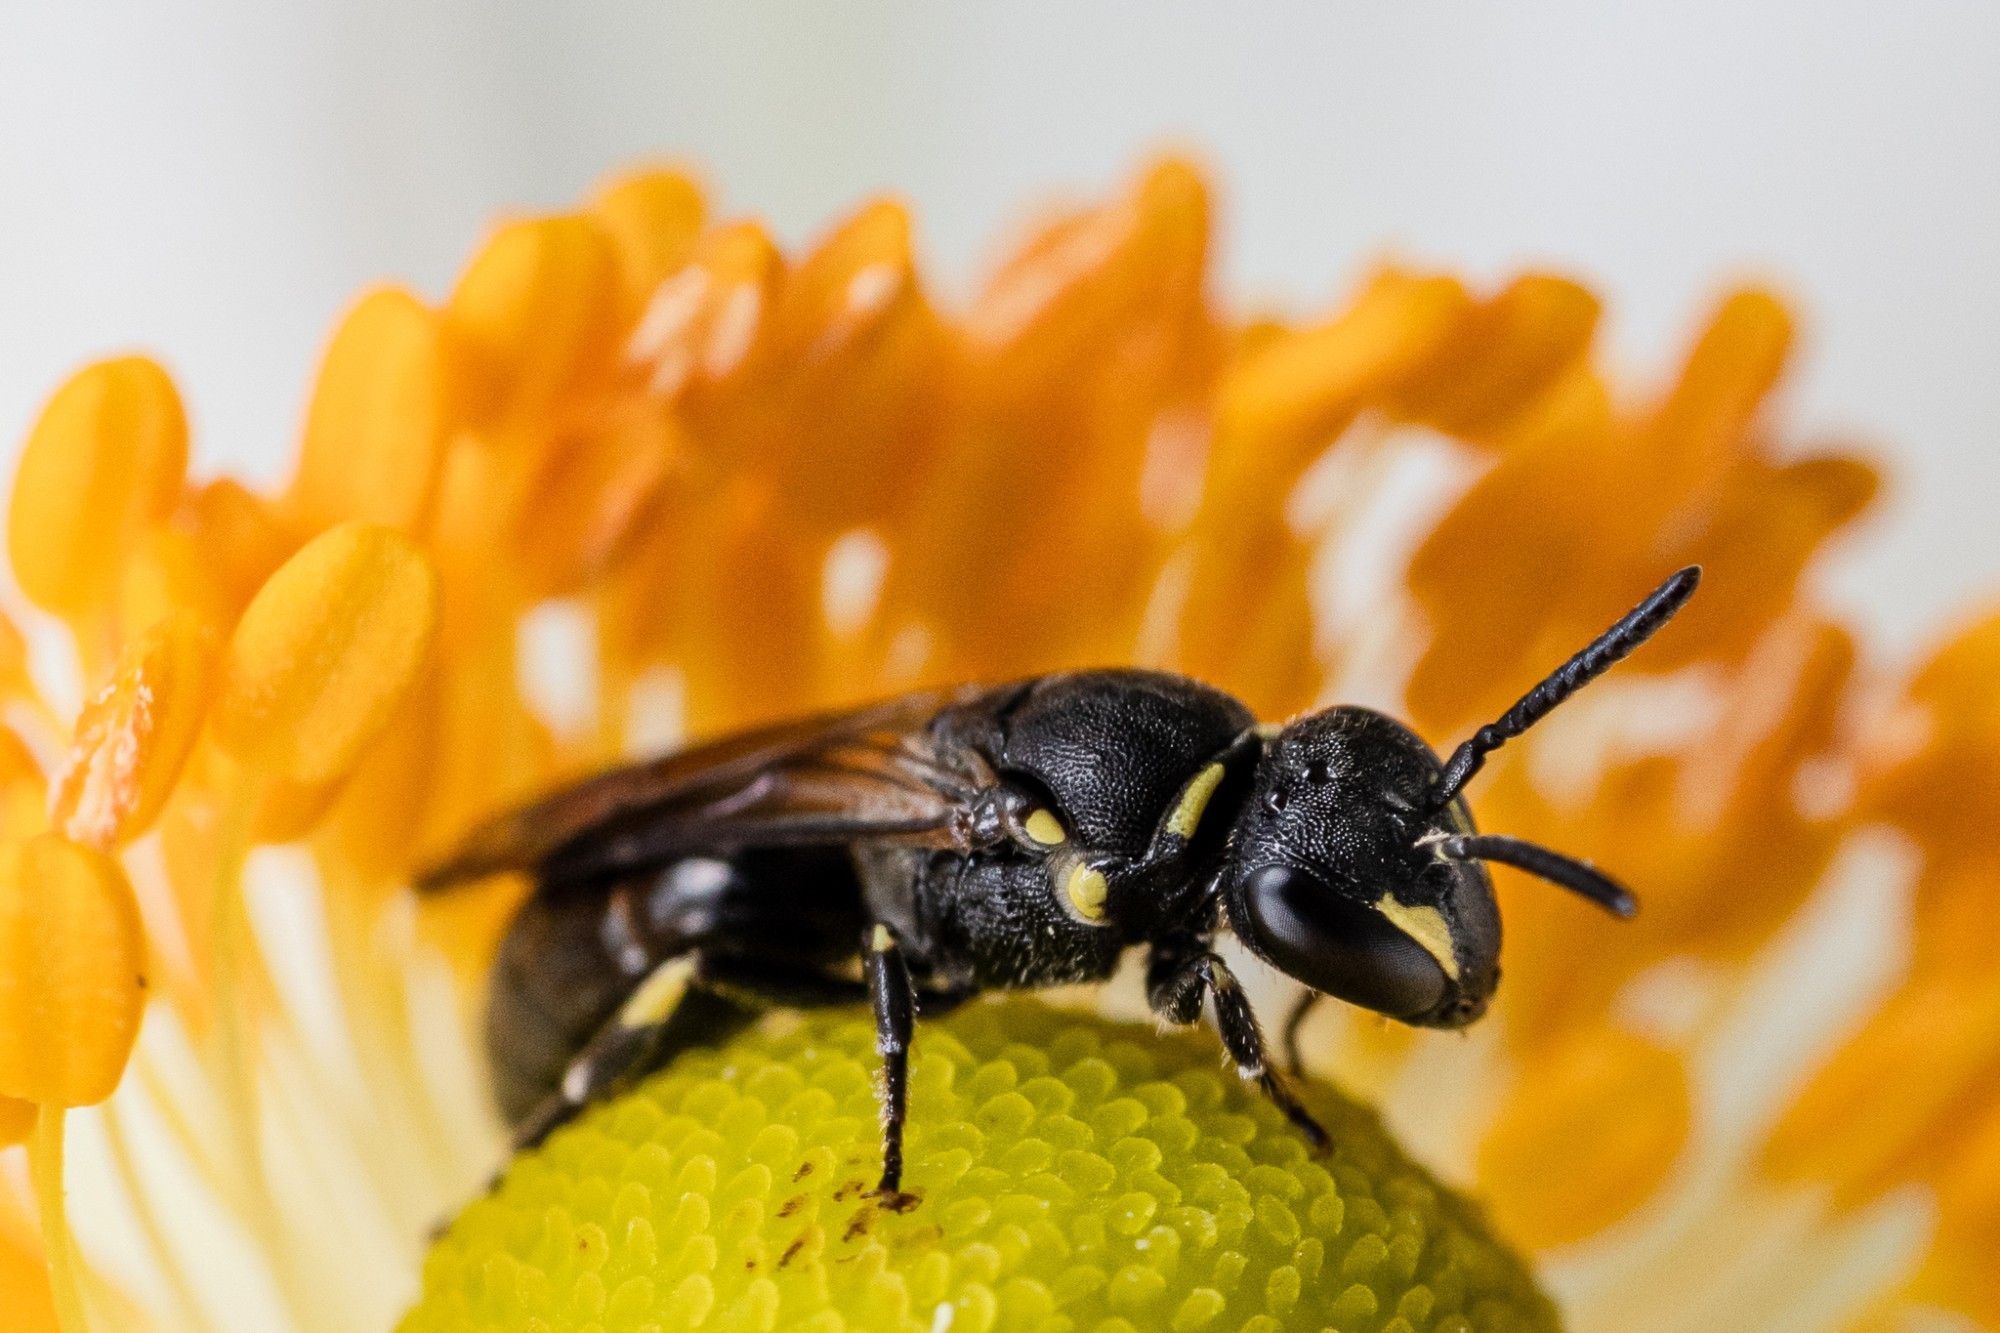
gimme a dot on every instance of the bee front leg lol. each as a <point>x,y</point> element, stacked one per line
<point>894,997</point>
<point>1177,981</point>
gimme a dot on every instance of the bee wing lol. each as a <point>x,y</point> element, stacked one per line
<point>845,777</point>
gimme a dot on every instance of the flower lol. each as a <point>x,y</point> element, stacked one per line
<point>1078,1174</point>
<point>641,474</point>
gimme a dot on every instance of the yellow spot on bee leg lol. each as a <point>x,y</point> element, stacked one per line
<point>881,940</point>
<point>658,995</point>
<point>1194,800</point>
<point>1045,829</point>
<point>1425,925</point>
<point>1087,891</point>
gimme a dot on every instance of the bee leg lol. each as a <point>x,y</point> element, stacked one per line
<point>1177,981</point>
<point>625,1045</point>
<point>1295,1023</point>
<point>895,1001</point>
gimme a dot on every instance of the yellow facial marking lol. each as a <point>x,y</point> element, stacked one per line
<point>881,941</point>
<point>1425,925</point>
<point>658,995</point>
<point>1046,829</point>
<point>1187,815</point>
<point>1087,891</point>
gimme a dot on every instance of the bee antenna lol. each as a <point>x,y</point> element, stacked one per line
<point>1605,651</point>
<point>1580,878</point>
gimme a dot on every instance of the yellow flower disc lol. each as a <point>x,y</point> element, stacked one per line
<point>1072,1174</point>
<point>134,735</point>
<point>104,461</point>
<point>375,432</point>
<point>72,972</point>
<point>324,652</point>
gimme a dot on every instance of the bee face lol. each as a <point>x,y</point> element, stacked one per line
<point>1337,882</point>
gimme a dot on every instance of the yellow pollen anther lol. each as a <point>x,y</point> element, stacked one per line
<point>1046,829</point>
<point>1087,891</point>
<point>72,971</point>
<point>325,652</point>
<point>1187,815</point>
<point>1425,925</point>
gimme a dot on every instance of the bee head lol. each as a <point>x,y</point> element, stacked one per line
<point>1338,882</point>
<point>1356,867</point>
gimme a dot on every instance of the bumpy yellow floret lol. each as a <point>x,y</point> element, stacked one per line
<point>1073,1174</point>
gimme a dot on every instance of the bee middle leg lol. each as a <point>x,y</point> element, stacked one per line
<point>1179,979</point>
<point>894,996</point>
<point>1295,1023</point>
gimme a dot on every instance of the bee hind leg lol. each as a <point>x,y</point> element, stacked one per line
<point>657,1019</point>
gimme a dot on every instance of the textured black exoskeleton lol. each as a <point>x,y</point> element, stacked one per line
<point>914,853</point>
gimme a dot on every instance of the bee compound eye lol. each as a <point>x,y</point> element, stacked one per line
<point>1337,945</point>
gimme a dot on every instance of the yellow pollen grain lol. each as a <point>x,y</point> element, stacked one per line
<point>1425,925</point>
<point>1194,801</point>
<point>1087,891</point>
<point>1046,829</point>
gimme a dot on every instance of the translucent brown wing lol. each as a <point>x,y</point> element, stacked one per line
<point>868,774</point>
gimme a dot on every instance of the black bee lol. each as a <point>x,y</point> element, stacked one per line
<point>917,852</point>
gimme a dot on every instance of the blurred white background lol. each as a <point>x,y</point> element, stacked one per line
<point>213,182</point>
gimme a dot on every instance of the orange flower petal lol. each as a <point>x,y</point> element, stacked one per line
<point>325,651</point>
<point>1734,366</point>
<point>701,324</point>
<point>135,733</point>
<point>1555,1167</point>
<point>1897,1095</point>
<point>1280,406</point>
<point>376,427</point>
<point>103,462</point>
<point>1503,356</point>
<point>24,1285</point>
<point>72,972</point>
<point>17,1121</point>
<point>653,219</point>
<point>23,791</point>
<point>590,497</point>
<point>534,319</point>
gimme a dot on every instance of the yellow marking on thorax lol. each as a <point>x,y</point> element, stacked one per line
<point>1425,925</point>
<point>1045,829</point>
<point>1187,815</point>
